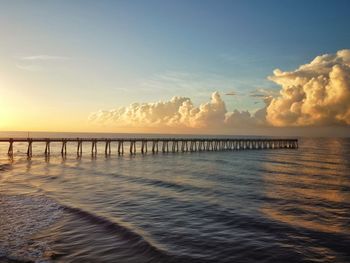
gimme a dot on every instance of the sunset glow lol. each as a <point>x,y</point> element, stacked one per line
<point>174,131</point>
<point>122,77</point>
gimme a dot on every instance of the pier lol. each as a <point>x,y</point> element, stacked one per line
<point>153,145</point>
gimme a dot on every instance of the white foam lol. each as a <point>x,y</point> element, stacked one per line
<point>22,216</point>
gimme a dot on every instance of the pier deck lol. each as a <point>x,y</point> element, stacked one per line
<point>155,145</point>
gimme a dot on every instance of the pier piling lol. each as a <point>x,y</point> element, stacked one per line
<point>10,150</point>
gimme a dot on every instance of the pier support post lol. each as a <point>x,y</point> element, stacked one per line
<point>172,146</point>
<point>47,147</point>
<point>155,146</point>
<point>142,147</point>
<point>120,147</point>
<point>163,146</point>
<point>10,150</point>
<point>64,147</point>
<point>132,147</point>
<point>30,149</point>
<point>94,147</point>
<point>108,147</point>
<point>211,146</point>
<point>80,148</point>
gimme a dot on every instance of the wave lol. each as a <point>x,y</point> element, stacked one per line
<point>161,183</point>
<point>23,216</point>
<point>112,226</point>
<point>5,167</point>
<point>138,243</point>
<point>261,225</point>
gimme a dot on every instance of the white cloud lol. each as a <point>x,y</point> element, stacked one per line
<point>44,57</point>
<point>317,93</point>
<point>179,112</point>
<point>40,62</point>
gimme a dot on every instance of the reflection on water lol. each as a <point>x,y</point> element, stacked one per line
<point>243,206</point>
<point>315,192</point>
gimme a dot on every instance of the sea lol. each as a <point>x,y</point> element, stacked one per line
<point>273,205</point>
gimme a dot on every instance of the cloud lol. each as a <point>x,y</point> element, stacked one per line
<point>263,93</point>
<point>315,94</point>
<point>40,62</point>
<point>231,93</point>
<point>44,57</point>
<point>144,114</point>
<point>179,112</point>
<point>30,67</point>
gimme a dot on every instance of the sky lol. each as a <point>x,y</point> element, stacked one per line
<point>174,66</point>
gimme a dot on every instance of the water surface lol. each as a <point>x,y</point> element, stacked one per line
<point>233,206</point>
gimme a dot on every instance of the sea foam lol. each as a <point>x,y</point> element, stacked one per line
<point>21,217</point>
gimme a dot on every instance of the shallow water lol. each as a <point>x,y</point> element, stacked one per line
<point>240,206</point>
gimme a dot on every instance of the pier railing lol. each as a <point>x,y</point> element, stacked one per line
<point>155,145</point>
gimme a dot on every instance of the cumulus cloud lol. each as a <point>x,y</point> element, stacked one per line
<point>317,93</point>
<point>179,112</point>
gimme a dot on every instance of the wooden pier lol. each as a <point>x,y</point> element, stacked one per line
<point>154,145</point>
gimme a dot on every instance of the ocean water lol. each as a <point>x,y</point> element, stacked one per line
<point>282,205</point>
